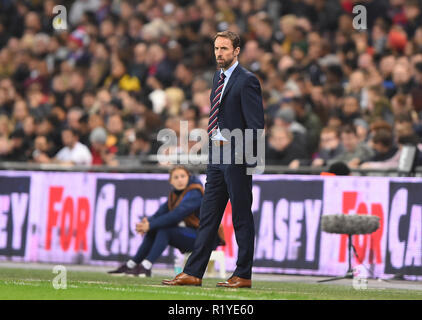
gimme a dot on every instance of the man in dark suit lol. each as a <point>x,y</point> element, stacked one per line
<point>236,103</point>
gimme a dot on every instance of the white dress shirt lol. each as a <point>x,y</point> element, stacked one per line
<point>217,135</point>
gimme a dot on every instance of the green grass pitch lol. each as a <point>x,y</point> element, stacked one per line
<point>37,284</point>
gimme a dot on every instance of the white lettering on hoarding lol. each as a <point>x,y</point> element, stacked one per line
<point>281,230</point>
<point>266,232</point>
<point>121,228</point>
<point>295,228</point>
<point>136,214</point>
<point>151,206</point>
<point>19,206</point>
<point>312,213</point>
<point>105,202</point>
<point>123,236</point>
<point>395,246</point>
<point>414,242</point>
<point>16,204</point>
<point>4,209</point>
<point>279,235</point>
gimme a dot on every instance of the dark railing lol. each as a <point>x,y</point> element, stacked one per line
<point>148,165</point>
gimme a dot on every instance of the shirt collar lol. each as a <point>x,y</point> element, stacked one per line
<point>230,70</point>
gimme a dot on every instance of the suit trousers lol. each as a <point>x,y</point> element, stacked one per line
<point>224,182</point>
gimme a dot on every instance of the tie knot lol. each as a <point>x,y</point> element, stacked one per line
<point>222,76</point>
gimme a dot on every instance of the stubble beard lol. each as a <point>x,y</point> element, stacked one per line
<point>225,64</point>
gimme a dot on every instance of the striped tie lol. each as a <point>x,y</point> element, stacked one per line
<point>212,124</point>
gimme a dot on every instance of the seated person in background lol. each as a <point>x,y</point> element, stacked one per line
<point>143,145</point>
<point>42,149</point>
<point>311,122</point>
<point>379,106</point>
<point>101,153</point>
<point>330,146</point>
<point>404,122</point>
<point>19,150</point>
<point>404,134</point>
<point>350,110</point>
<point>286,118</point>
<point>379,124</point>
<point>73,152</point>
<point>362,129</point>
<point>175,223</point>
<point>355,152</point>
<point>386,155</point>
<point>281,148</point>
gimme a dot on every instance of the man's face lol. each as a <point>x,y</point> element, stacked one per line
<point>279,140</point>
<point>329,140</point>
<point>380,148</point>
<point>351,105</point>
<point>41,144</point>
<point>224,52</point>
<point>73,119</point>
<point>68,139</point>
<point>350,141</point>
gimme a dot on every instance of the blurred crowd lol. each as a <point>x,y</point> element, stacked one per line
<point>122,70</point>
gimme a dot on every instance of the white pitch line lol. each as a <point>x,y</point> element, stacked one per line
<point>30,282</point>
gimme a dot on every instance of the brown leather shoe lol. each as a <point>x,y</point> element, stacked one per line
<point>183,279</point>
<point>236,282</point>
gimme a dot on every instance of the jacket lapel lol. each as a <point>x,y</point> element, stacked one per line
<point>232,79</point>
<point>214,85</point>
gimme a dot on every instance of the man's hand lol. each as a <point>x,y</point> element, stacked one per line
<point>294,164</point>
<point>354,163</point>
<point>366,165</point>
<point>42,158</point>
<point>318,162</point>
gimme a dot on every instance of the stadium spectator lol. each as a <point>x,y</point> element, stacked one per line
<point>184,78</point>
<point>18,149</point>
<point>281,150</point>
<point>73,152</point>
<point>120,79</point>
<point>163,229</point>
<point>330,146</point>
<point>386,155</point>
<point>310,121</point>
<point>355,152</point>
<point>42,150</point>
<point>139,67</point>
<point>142,145</point>
<point>379,125</point>
<point>115,129</point>
<point>286,118</point>
<point>379,106</point>
<point>350,110</point>
<point>73,117</point>
<point>101,153</point>
<point>362,129</point>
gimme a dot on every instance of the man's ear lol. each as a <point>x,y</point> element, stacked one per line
<point>237,51</point>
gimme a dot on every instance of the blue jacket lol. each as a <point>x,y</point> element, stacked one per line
<point>240,108</point>
<point>190,203</point>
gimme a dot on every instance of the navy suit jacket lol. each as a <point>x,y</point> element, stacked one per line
<point>241,104</point>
